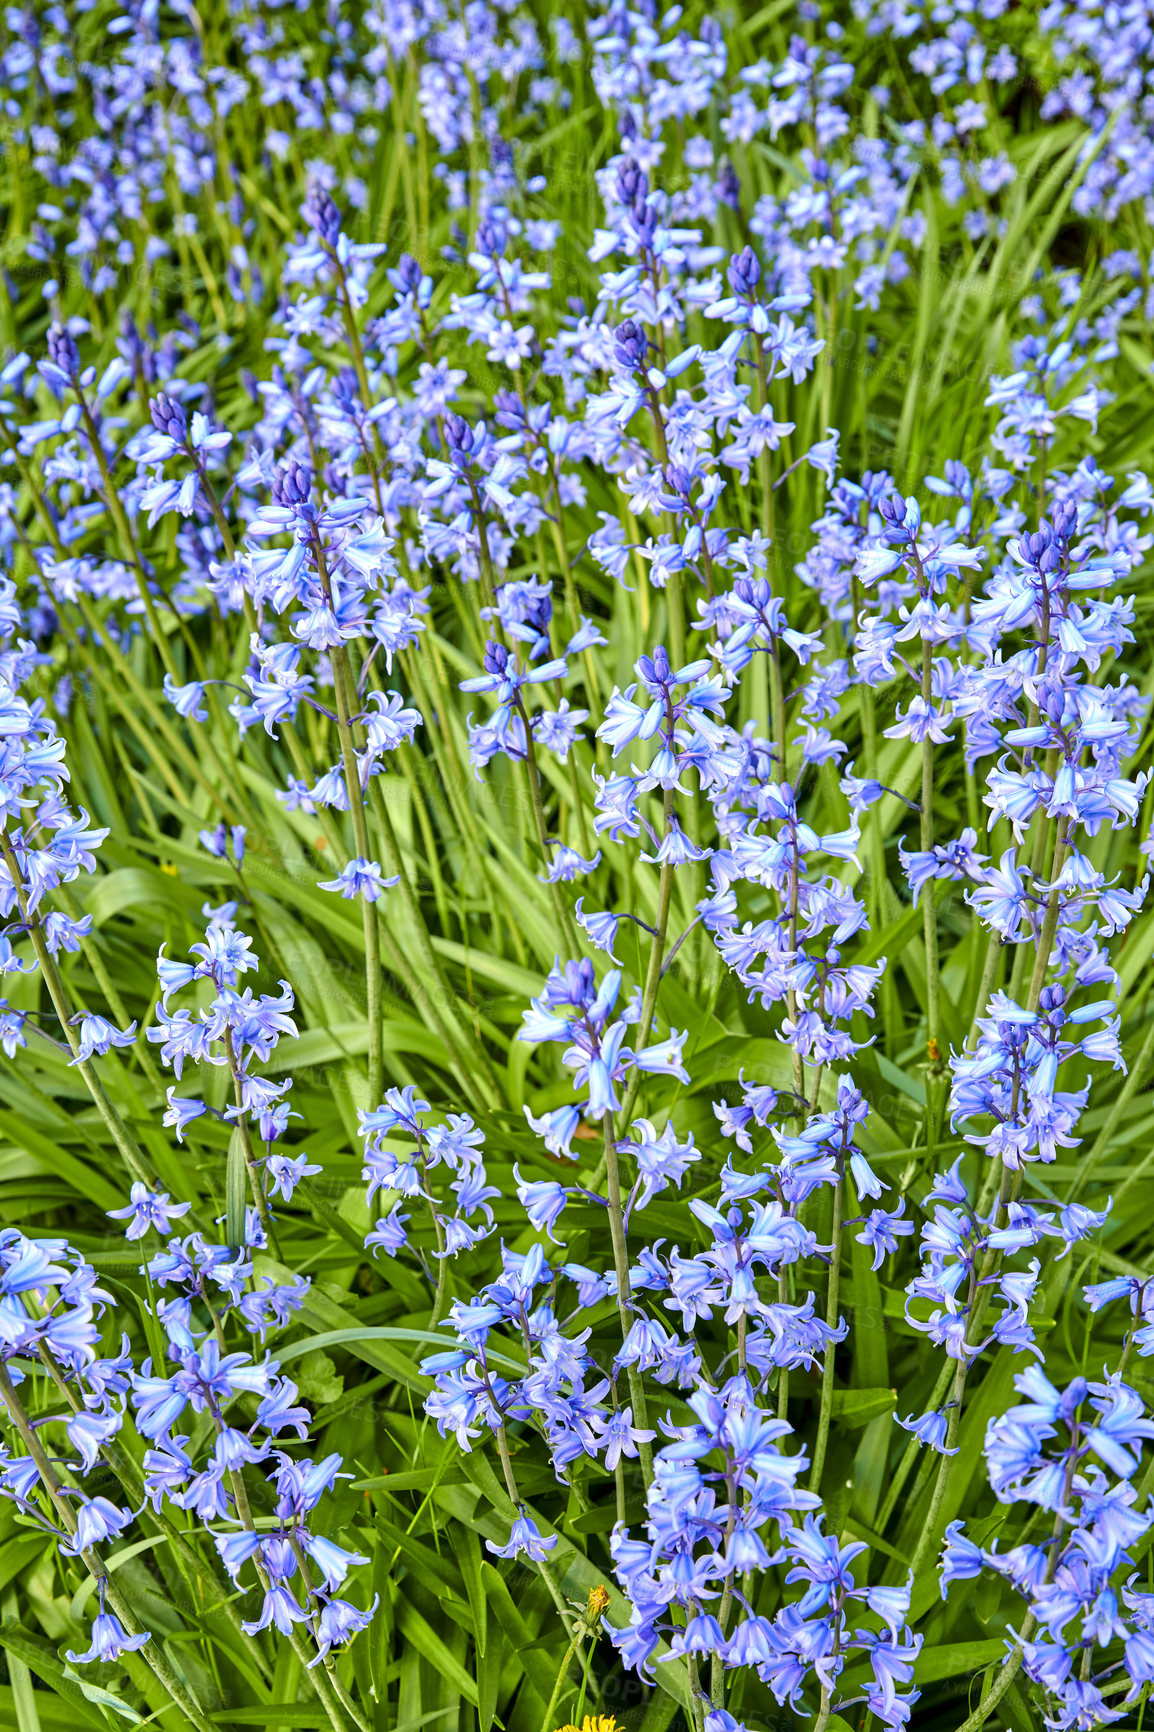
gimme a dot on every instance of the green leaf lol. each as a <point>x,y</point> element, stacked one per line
<point>336,1326</point>
<point>41,1658</point>
<point>421,1635</point>
<point>20,1704</point>
<point>955,1659</point>
<point>235,1191</point>
<point>137,887</point>
<point>318,1379</point>
<point>856,1407</point>
<point>273,1714</point>
<point>358,1336</point>
<point>539,1671</point>
<point>18,1551</point>
<point>469,1558</point>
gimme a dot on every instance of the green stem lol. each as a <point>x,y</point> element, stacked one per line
<point>260,1201</point>
<point>766,460</point>
<point>441,1289</point>
<point>562,1675</point>
<point>468,1051</point>
<point>1121,1101</point>
<point>930,910</point>
<point>831,1321</point>
<point>341,684</point>
<point>1049,923</point>
<point>911,1452</point>
<point>979,1294</point>
<point>777,699</point>
<point>316,1675</point>
<point>515,1497</point>
<point>563,913</point>
<point>653,974</point>
<point>986,984</point>
<point>783,1370</point>
<point>625,1291</point>
<point>1003,1680</point>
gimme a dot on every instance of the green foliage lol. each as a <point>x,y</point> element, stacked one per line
<point>462,1642</point>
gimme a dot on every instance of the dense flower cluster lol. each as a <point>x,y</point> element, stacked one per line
<point>793,752</point>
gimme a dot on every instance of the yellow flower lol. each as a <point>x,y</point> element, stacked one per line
<point>594,1723</point>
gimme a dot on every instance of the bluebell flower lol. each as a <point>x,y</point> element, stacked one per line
<point>360,878</point>
<point>147,1209</point>
<point>542,1200</point>
<point>338,1622</point>
<point>109,1641</point>
<point>524,1537</point>
<point>287,1171</point>
<point>931,1429</point>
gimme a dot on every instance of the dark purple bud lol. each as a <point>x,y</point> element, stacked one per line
<point>632,184</point>
<point>631,344</point>
<point>540,612</point>
<point>655,669</point>
<point>1036,544</point>
<point>62,351</point>
<point>322,215</point>
<point>729,187</point>
<point>580,985</point>
<point>458,435</point>
<point>496,658</point>
<point>491,238</point>
<point>1053,704</point>
<point>645,222</point>
<point>1066,520</point>
<point>744,272</point>
<point>409,273</point>
<point>345,389</point>
<point>292,484</point>
<point>169,417</point>
<point>678,480</point>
